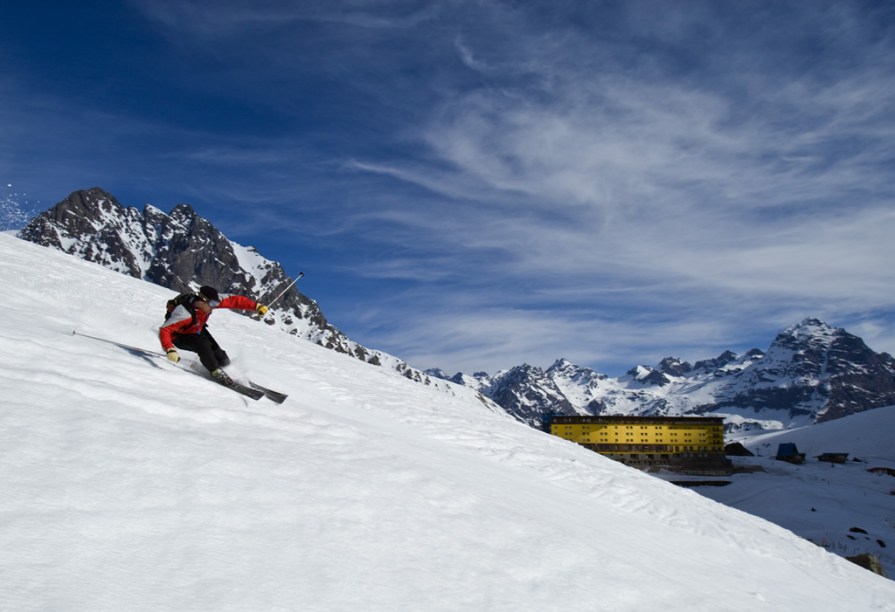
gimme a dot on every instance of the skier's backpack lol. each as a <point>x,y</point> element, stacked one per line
<point>185,300</point>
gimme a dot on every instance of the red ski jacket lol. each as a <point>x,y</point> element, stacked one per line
<point>181,319</point>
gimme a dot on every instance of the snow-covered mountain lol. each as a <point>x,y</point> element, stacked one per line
<point>811,373</point>
<point>131,484</point>
<point>183,251</point>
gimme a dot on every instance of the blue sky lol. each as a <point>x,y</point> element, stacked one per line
<point>475,184</point>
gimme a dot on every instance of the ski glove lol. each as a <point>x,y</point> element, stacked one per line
<point>172,355</point>
<point>261,309</point>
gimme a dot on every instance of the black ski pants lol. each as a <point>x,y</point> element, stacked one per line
<point>210,353</point>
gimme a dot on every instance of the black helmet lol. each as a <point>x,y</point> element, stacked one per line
<point>209,293</point>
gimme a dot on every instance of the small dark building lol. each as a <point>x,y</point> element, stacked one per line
<point>833,457</point>
<point>736,449</point>
<point>789,452</point>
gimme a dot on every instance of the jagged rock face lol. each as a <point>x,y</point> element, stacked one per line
<point>183,251</point>
<point>811,373</point>
<point>674,366</point>
<point>646,375</point>
<point>815,369</point>
<point>92,225</point>
<point>527,393</point>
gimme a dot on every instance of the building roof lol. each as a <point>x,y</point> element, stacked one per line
<point>610,420</point>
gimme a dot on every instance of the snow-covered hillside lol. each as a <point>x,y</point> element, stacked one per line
<point>129,484</point>
<point>848,508</point>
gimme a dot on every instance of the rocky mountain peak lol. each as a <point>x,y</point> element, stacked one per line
<point>645,375</point>
<point>561,364</point>
<point>809,333</point>
<point>674,366</point>
<point>564,368</point>
<point>528,393</point>
<point>184,211</point>
<point>720,361</point>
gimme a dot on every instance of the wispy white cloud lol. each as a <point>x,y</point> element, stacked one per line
<point>680,199</point>
<point>227,19</point>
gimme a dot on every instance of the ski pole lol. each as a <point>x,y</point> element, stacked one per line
<point>283,292</point>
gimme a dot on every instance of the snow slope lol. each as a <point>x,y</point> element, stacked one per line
<point>846,508</point>
<point>129,484</point>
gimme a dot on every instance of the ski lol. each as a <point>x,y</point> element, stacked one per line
<point>274,396</point>
<point>255,394</point>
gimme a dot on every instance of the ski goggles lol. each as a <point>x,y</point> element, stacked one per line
<point>212,303</point>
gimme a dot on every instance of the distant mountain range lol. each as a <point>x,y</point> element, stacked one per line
<point>812,372</point>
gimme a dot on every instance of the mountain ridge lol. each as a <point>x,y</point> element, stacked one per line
<point>812,372</point>
<point>183,251</point>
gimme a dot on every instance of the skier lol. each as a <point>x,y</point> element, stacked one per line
<point>185,328</point>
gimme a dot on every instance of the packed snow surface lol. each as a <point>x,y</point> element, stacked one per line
<point>132,484</point>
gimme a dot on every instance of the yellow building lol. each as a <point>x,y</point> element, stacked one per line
<point>685,444</point>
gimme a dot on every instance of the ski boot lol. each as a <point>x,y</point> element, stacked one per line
<point>222,377</point>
